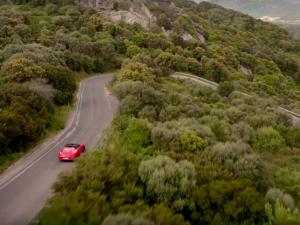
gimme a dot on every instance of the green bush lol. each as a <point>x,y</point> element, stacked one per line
<point>137,135</point>
<point>289,180</point>
<point>132,51</point>
<point>63,80</point>
<point>278,214</point>
<point>126,219</point>
<point>268,139</point>
<point>167,180</point>
<point>238,158</point>
<point>136,72</point>
<point>227,202</point>
<point>189,141</point>
<point>216,71</point>
<point>226,88</point>
<point>274,194</point>
<point>293,138</point>
<point>24,116</point>
<point>21,70</point>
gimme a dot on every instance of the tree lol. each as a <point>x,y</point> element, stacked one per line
<point>136,72</point>
<point>24,31</point>
<point>237,157</point>
<point>198,53</point>
<point>229,202</point>
<point>164,21</point>
<point>104,48</point>
<point>61,79</point>
<point>126,219</point>
<point>215,71</point>
<point>137,135</point>
<point>87,63</point>
<point>65,21</point>
<point>166,180</point>
<point>132,51</point>
<point>23,117</point>
<point>226,88</point>
<point>166,60</point>
<point>194,66</point>
<point>21,70</point>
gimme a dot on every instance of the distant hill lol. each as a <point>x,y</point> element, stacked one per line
<point>285,9</point>
<point>286,13</point>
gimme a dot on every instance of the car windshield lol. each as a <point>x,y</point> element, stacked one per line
<point>72,146</point>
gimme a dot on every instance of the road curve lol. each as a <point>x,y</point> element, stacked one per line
<point>26,185</point>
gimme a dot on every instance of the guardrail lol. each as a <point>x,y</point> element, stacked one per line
<point>290,112</point>
<point>212,84</point>
<point>215,85</point>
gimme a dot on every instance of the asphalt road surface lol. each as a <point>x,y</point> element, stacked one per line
<point>26,185</point>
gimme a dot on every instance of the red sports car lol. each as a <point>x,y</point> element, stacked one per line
<point>70,152</point>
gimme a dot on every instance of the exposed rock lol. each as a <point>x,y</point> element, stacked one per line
<point>201,38</point>
<point>187,37</point>
<point>138,11</point>
<point>125,11</point>
<point>244,70</point>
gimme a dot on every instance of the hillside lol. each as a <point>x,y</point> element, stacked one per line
<point>285,9</point>
<point>178,153</point>
<point>285,13</point>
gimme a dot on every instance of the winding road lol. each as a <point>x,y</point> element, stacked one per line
<point>26,185</point>
<point>295,117</point>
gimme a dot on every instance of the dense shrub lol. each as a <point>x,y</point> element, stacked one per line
<point>191,142</point>
<point>268,139</point>
<point>63,80</point>
<point>136,72</point>
<point>137,135</point>
<point>226,88</point>
<point>21,70</point>
<point>216,71</point>
<point>24,116</point>
<point>168,181</point>
<point>238,158</point>
<point>132,51</point>
<point>126,219</point>
<point>229,202</point>
<point>293,138</point>
<point>274,194</point>
<point>278,214</point>
<point>290,180</point>
<point>242,131</point>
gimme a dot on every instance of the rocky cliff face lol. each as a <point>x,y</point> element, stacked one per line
<point>127,11</point>
<point>144,12</point>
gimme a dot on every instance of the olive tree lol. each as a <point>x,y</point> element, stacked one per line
<point>167,180</point>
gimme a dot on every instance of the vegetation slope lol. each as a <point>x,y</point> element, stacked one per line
<point>178,153</point>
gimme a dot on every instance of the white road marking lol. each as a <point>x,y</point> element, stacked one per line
<point>75,115</point>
